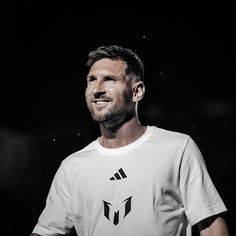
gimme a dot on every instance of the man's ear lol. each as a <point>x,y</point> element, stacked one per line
<point>138,91</point>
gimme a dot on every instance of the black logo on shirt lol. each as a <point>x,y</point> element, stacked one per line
<point>108,213</point>
<point>119,175</point>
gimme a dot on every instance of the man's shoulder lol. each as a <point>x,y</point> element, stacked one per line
<point>169,134</point>
<point>83,153</point>
<point>169,139</point>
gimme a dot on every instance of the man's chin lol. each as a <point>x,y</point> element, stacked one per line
<point>100,118</point>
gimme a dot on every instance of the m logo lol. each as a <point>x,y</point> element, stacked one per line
<point>116,214</point>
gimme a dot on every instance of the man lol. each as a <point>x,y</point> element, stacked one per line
<point>134,179</point>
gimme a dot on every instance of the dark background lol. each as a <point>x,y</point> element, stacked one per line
<point>190,62</point>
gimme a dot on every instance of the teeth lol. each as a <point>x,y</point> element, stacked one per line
<point>100,102</point>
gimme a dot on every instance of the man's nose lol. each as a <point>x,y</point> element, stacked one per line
<point>99,88</point>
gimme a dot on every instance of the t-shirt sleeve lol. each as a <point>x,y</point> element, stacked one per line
<point>56,219</point>
<point>200,197</point>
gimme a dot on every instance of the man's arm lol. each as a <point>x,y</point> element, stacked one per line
<point>213,226</point>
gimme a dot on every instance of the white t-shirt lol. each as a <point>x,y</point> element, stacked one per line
<point>158,185</point>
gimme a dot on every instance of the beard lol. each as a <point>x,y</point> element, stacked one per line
<point>114,113</point>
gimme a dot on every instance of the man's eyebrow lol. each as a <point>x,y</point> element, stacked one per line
<point>110,77</point>
<point>91,76</point>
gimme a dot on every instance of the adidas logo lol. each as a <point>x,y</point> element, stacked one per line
<point>119,175</point>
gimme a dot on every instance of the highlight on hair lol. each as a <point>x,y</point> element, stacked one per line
<point>135,67</point>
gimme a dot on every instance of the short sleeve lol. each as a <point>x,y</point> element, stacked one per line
<point>200,197</point>
<point>56,218</point>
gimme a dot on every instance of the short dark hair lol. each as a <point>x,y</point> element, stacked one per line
<point>135,67</point>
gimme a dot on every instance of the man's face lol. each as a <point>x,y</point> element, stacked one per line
<point>109,91</point>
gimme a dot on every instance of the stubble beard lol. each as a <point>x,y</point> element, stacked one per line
<point>117,113</point>
<point>111,115</point>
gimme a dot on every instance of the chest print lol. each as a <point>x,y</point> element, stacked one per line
<point>120,174</point>
<point>113,214</point>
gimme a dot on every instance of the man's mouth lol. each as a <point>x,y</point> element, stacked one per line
<point>100,102</point>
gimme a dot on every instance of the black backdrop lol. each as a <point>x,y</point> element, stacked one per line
<point>190,70</point>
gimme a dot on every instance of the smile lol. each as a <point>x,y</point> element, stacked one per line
<point>100,102</point>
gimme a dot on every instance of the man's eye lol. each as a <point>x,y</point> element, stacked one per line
<point>109,79</point>
<point>90,79</point>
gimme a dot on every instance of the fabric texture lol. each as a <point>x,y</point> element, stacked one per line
<point>158,185</point>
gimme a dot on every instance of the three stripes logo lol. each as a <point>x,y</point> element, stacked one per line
<point>119,175</point>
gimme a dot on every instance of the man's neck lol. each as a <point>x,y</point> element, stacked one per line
<point>128,132</point>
